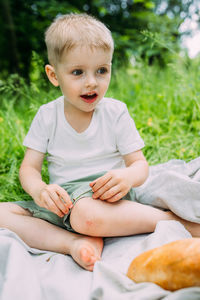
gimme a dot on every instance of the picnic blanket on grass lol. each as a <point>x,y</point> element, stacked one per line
<point>31,274</point>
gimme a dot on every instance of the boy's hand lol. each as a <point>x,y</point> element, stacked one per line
<point>112,186</point>
<point>54,198</point>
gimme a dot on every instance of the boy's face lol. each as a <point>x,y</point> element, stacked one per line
<point>83,76</point>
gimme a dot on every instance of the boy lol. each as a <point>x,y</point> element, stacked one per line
<point>94,154</point>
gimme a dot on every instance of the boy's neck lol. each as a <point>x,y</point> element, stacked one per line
<point>78,120</point>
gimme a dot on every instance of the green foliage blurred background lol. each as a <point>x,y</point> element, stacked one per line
<point>22,25</point>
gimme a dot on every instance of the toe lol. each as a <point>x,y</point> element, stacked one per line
<point>87,256</point>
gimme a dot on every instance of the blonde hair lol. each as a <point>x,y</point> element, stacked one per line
<point>71,30</point>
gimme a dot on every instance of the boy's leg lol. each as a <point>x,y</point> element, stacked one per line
<point>121,218</point>
<point>43,235</point>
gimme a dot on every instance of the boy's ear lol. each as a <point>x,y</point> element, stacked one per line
<point>51,74</point>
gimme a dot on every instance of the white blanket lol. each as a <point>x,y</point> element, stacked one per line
<point>31,274</point>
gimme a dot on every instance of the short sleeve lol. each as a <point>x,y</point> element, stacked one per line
<point>36,137</point>
<point>128,138</point>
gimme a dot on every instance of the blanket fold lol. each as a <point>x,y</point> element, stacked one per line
<point>174,185</point>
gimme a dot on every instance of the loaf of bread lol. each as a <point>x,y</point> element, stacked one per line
<point>172,266</point>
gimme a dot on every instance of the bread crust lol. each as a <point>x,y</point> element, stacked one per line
<point>172,266</point>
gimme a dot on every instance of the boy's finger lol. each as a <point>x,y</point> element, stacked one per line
<point>64,197</point>
<point>106,187</point>
<point>101,181</point>
<point>110,193</point>
<point>59,203</point>
<point>93,182</point>
<point>115,198</point>
<point>53,208</point>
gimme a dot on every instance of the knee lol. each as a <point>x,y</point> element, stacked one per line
<point>85,218</point>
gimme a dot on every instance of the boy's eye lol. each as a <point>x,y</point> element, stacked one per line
<point>102,70</point>
<point>77,72</point>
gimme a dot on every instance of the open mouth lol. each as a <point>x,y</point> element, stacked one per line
<point>89,98</point>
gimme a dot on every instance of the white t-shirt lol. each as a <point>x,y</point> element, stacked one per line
<point>72,155</point>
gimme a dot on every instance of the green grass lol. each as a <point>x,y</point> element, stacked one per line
<point>165,105</point>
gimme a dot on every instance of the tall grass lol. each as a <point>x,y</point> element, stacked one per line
<point>165,104</point>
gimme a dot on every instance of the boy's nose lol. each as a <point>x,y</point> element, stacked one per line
<point>91,82</point>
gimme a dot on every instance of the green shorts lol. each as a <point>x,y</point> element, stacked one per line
<point>76,189</point>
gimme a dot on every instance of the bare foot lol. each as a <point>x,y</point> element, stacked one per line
<point>86,251</point>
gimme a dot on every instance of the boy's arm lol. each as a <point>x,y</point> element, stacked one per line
<point>51,196</point>
<point>115,184</point>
